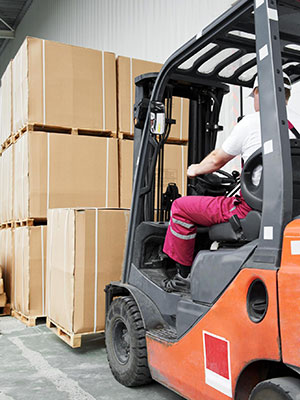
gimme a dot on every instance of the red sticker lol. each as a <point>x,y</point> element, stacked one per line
<point>216,355</point>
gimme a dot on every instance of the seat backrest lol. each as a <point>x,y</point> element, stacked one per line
<point>295,153</point>
<point>253,194</point>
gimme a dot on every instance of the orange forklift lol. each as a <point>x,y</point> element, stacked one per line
<point>236,332</point>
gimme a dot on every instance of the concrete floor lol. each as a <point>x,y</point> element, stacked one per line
<point>35,364</point>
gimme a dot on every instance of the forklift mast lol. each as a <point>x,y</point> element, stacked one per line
<point>204,109</point>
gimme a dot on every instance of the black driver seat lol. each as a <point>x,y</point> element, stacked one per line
<point>247,229</point>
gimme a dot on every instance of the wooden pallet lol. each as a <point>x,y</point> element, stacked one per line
<point>125,135</point>
<point>72,339</point>
<point>8,142</point>
<point>8,224</point>
<point>28,320</point>
<point>5,311</point>
<point>170,140</point>
<point>30,222</point>
<point>35,127</point>
<point>180,142</point>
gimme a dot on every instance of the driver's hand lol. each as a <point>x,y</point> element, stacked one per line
<point>192,171</point>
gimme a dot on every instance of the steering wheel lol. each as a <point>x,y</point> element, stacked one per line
<point>219,179</point>
<point>218,183</point>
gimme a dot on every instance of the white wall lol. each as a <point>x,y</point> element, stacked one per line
<point>146,29</point>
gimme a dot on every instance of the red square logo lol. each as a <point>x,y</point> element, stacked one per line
<point>216,350</point>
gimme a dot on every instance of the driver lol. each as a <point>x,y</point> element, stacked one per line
<point>189,211</point>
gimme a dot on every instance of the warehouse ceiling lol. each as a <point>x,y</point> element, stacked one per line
<point>11,14</point>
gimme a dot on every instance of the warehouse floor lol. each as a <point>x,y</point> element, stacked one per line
<point>36,364</point>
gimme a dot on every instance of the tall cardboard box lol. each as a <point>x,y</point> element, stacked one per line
<point>85,253</point>
<point>127,70</point>
<point>59,170</point>
<point>30,270</point>
<point>6,104</point>
<point>175,168</point>
<point>65,86</point>
<point>6,184</point>
<point>6,262</point>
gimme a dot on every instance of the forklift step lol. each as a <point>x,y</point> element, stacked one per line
<point>168,334</point>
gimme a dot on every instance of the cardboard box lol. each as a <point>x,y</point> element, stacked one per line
<point>175,167</point>
<point>6,184</point>
<point>6,261</point>
<point>65,86</point>
<point>59,170</point>
<point>85,253</point>
<point>6,104</point>
<point>127,70</point>
<point>3,300</point>
<point>30,270</point>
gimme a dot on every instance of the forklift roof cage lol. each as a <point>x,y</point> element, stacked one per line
<point>253,37</point>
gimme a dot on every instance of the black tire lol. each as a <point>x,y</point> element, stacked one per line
<point>126,343</point>
<point>286,388</point>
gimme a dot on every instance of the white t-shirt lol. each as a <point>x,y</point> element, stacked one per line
<point>245,137</point>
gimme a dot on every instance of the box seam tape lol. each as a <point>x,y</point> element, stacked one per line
<point>74,262</point>
<point>64,269</point>
<point>12,182</point>
<point>44,83</point>
<point>15,280</point>
<point>131,96</point>
<point>107,173</point>
<point>43,272</point>
<point>49,262</point>
<point>48,171</point>
<point>103,91</point>
<point>182,170</point>
<point>23,282</point>
<point>5,259</point>
<point>20,76</point>
<point>26,142</point>
<point>96,271</point>
<point>181,117</point>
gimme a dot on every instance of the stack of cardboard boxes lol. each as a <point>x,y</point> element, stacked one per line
<point>59,150</point>
<point>85,253</point>
<point>62,155</point>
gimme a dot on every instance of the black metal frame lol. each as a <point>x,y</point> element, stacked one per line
<point>205,105</point>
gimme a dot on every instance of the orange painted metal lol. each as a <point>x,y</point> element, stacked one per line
<point>289,294</point>
<point>181,365</point>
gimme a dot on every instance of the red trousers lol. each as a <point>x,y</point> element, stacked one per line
<point>189,211</point>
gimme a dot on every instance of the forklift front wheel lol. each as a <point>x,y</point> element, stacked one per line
<point>126,343</point>
<point>287,388</point>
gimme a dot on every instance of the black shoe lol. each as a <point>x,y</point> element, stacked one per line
<point>177,284</point>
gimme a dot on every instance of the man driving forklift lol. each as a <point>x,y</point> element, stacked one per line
<point>235,333</point>
<point>189,211</point>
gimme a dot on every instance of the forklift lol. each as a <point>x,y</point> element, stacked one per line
<point>236,332</point>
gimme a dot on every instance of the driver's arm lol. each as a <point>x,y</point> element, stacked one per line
<point>211,163</point>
